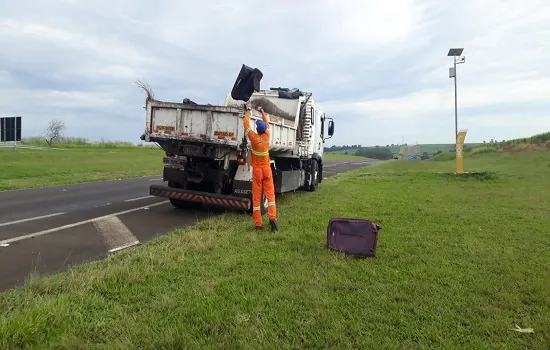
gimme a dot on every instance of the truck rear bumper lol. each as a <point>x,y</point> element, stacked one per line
<point>200,197</point>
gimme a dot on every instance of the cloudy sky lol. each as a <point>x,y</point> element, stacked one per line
<point>379,68</point>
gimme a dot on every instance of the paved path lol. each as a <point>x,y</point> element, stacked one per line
<point>46,230</point>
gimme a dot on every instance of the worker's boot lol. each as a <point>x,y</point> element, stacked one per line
<point>258,228</point>
<point>273,225</point>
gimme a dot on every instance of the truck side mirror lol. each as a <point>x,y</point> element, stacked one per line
<point>330,128</point>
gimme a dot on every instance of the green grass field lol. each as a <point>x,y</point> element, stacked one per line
<point>460,262</point>
<point>25,168</point>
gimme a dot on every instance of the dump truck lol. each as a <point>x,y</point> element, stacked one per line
<point>207,152</point>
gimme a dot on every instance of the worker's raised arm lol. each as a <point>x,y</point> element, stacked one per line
<point>246,123</point>
<point>265,119</point>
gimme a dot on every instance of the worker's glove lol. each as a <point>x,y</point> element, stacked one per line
<point>247,106</point>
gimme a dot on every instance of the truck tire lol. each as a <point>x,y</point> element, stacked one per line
<point>263,205</point>
<point>181,204</point>
<point>315,174</point>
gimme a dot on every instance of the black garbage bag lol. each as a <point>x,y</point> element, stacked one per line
<point>187,101</point>
<point>246,83</point>
<point>293,94</point>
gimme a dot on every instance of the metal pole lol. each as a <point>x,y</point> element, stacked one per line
<point>456,113</point>
<point>15,132</point>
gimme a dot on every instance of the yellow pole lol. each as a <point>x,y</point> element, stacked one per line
<point>460,137</point>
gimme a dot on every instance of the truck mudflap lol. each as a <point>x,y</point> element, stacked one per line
<point>200,197</point>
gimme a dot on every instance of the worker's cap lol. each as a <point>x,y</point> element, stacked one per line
<point>260,126</point>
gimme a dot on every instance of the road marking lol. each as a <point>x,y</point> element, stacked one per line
<point>55,229</point>
<point>138,198</point>
<point>115,234</point>
<point>31,219</point>
<point>155,179</point>
<point>124,247</point>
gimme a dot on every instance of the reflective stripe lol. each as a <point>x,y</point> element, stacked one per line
<point>247,131</point>
<point>256,208</point>
<point>269,204</point>
<point>260,153</point>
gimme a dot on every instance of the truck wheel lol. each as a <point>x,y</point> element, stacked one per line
<point>315,175</point>
<point>263,205</point>
<point>181,204</point>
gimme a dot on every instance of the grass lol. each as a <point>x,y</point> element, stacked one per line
<point>26,168</point>
<point>460,262</point>
<point>78,142</point>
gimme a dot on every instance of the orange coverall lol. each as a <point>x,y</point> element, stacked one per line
<point>262,177</point>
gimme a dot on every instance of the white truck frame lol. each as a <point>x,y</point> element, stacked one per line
<point>207,152</point>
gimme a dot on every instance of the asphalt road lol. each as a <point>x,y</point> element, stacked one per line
<point>46,230</point>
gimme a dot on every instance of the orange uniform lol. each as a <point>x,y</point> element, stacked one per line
<point>262,178</point>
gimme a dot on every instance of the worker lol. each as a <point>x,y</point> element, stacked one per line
<point>262,178</point>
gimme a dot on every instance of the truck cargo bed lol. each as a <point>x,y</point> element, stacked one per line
<point>221,125</point>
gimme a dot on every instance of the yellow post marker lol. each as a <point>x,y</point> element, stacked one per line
<point>460,151</point>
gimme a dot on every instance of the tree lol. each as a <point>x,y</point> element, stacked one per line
<point>54,131</point>
<point>375,153</point>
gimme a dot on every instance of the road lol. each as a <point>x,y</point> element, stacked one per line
<point>46,230</point>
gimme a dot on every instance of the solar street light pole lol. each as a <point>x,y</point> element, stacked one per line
<point>457,59</point>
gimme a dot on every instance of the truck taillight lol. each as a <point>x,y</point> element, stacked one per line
<point>240,159</point>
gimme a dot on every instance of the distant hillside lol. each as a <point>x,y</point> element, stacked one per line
<point>396,149</point>
<point>539,141</point>
<point>430,149</point>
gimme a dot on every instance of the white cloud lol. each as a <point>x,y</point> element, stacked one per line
<point>378,68</point>
<point>435,102</point>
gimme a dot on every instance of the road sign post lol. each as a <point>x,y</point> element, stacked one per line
<point>460,137</point>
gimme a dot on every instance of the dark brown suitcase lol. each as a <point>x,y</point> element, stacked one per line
<point>351,236</point>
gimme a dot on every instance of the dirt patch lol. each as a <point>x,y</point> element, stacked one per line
<point>521,147</point>
<point>525,147</point>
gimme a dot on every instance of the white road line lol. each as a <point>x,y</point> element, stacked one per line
<point>124,247</point>
<point>138,198</point>
<point>31,219</point>
<point>156,179</point>
<point>115,234</point>
<point>55,229</point>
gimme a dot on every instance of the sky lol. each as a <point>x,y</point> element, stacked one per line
<point>378,68</point>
